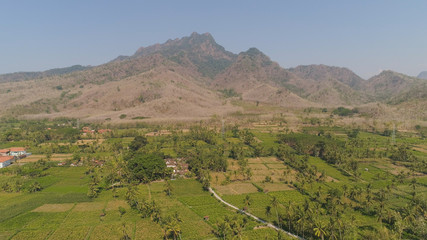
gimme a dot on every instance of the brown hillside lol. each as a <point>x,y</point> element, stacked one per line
<point>192,78</point>
<point>257,78</point>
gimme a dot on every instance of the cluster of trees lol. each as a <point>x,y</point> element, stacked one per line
<point>342,111</point>
<point>326,216</point>
<point>40,132</point>
<point>171,224</point>
<point>144,165</point>
<point>342,154</point>
<point>25,177</point>
<point>229,92</point>
<point>334,203</point>
<point>231,227</point>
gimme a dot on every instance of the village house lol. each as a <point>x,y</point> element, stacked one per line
<point>18,151</point>
<point>102,131</point>
<point>14,151</point>
<point>4,152</point>
<point>6,161</point>
<point>179,166</point>
<point>87,130</point>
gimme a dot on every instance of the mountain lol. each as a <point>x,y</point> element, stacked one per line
<point>22,76</point>
<point>389,86</point>
<point>331,85</point>
<point>192,78</point>
<point>161,81</point>
<point>257,78</point>
<point>323,73</point>
<point>423,75</point>
<point>199,51</point>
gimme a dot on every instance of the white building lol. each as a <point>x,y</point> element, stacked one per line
<point>5,161</point>
<point>17,151</point>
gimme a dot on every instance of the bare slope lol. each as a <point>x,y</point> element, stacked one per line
<point>257,78</point>
<point>331,86</point>
<point>22,76</point>
<point>149,86</point>
<point>392,87</point>
<point>183,78</point>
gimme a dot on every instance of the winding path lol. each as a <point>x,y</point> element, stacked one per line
<point>253,216</point>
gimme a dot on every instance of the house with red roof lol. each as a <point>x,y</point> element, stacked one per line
<point>102,131</point>
<point>17,151</point>
<point>4,152</point>
<point>6,161</point>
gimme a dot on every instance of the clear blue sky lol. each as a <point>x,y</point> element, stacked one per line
<point>366,36</point>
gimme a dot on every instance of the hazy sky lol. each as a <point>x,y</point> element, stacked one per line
<point>366,36</point>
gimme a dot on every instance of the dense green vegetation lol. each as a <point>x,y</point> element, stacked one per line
<point>320,182</point>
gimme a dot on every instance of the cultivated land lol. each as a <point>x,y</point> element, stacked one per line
<point>352,182</point>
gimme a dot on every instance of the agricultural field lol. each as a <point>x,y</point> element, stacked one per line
<point>347,183</point>
<point>63,211</point>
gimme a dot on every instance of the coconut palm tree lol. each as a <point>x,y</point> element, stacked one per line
<point>168,188</point>
<point>275,203</point>
<point>399,224</point>
<point>223,229</point>
<point>320,230</point>
<point>289,214</point>
<point>34,187</point>
<point>247,201</point>
<point>268,211</point>
<point>171,227</point>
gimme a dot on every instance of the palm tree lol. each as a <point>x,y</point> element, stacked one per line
<point>35,187</point>
<point>237,228</point>
<point>223,229</point>
<point>131,195</point>
<point>300,216</point>
<point>155,212</point>
<point>125,234</point>
<point>168,188</point>
<point>413,183</point>
<point>320,230</point>
<point>332,228</point>
<point>247,201</point>
<point>289,214</point>
<point>248,173</point>
<point>268,211</point>
<point>399,224</point>
<point>171,226</point>
<point>275,203</point>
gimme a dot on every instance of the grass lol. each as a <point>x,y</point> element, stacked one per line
<point>329,170</point>
<point>77,232</point>
<point>54,207</point>
<point>47,215</point>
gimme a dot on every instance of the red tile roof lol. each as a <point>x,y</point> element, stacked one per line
<point>5,158</point>
<point>104,130</point>
<point>4,150</point>
<point>17,149</point>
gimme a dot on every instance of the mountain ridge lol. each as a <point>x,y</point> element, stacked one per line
<point>22,76</point>
<point>422,75</point>
<point>187,77</point>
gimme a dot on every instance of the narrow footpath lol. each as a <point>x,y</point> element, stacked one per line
<point>253,216</point>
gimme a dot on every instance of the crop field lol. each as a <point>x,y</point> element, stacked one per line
<point>260,168</point>
<point>64,207</point>
<point>57,157</point>
<point>53,216</point>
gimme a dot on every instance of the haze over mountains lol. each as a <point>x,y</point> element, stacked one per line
<point>195,77</point>
<point>423,75</point>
